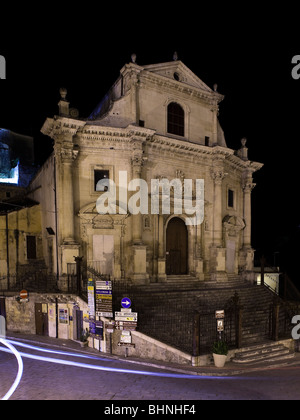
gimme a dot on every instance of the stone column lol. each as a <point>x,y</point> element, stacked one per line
<point>218,175</point>
<point>198,257</point>
<point>140,275</point>
<point>248,186</point>
<point>137,224</point>
<point>69,248</point>
<point>247,253</point>
<point>161,250</point>
<point>67,199</point>
<point>218,251</point>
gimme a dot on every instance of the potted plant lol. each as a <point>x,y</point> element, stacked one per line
<point>220,351</point>
<point>84,338</point>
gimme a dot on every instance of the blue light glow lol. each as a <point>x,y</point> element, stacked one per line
<point>14,176</point>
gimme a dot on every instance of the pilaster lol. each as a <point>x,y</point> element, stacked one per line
<point>140,275</point>
<point>218,252</point>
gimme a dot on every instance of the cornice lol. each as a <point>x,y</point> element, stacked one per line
<point>244,165</point>
<point>96,132</point>
<point>161,82</point>
<point>162,142</point>
<point>54,127</point>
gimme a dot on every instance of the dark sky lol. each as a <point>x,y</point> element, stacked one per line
<point>247,52</point>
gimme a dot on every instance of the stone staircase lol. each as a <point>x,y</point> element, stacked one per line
<point>166,309</point>
<point>265,353</point>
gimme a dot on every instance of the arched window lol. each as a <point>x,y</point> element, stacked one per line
<point>175,119</point>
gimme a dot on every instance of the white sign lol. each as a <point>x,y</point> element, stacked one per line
<point>126,313</point>
<point>126,339</point>
<point>220,314</point>
<point>127,318</point>
<point>103,285</point>
<point>220,325</point>
<point>105,314</point>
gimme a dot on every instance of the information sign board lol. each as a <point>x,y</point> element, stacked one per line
<point>104,298</point>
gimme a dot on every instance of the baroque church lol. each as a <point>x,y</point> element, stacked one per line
<point>157,122</point>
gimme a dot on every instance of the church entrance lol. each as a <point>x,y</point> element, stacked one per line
<point>176,247</point>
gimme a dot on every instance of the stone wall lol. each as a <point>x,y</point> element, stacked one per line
<point>149,348</point>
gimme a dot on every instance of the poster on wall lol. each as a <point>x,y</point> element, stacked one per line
<point>63,316</point>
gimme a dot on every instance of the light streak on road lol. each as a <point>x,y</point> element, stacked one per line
<point>20,368</point>
<point>114,369</point>
<point>64,353</point>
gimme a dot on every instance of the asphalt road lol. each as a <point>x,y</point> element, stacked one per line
<point>51,376</point>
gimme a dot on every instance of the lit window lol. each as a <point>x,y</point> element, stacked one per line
<point>103,176</point>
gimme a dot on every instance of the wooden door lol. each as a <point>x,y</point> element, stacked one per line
<point>2,307</point>
<point>41,318</point>
<point>177,247</point>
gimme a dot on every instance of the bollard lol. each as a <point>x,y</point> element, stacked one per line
<point>2,327</point>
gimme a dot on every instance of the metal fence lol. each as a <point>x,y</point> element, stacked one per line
<point>162,314</point>
<point>39,282</point>
<point>170,319</point>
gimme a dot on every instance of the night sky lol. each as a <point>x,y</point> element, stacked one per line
<point>248,53</point>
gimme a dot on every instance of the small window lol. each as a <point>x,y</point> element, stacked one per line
<point>175,119</point>
<point>230,198</point>
<point>31,247</point>
<point>176,76</point>
<point>206,141</point>
<point>98,176</point>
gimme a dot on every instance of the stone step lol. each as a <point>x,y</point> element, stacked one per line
<point>263,353</point>
<point>176,299</point>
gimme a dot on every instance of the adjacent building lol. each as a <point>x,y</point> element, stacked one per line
<point>20,221</point>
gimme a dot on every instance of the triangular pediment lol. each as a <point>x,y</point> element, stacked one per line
<point>178,72</point>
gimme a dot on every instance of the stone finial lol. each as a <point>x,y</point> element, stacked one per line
<point>63,93</point>
<point>243,151</point>
<point>133,57</point>
<point>63,104</point>
<point>175,56</point>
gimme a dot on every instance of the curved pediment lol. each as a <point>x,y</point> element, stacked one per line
<point>89,214</point>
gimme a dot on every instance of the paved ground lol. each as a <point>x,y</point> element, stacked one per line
<point>113,379</point>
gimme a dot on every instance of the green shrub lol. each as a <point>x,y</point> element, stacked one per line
<point>220,347</point>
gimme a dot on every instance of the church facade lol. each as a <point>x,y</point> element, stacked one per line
<point>157,126</point>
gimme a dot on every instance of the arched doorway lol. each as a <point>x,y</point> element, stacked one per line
<point>177,247</point>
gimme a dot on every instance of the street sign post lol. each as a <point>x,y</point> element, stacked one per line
<point>104,298</point>
<point>24,295</point>
<point>220,315</point>
<point>126,303</point>
<point>126,316</point>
